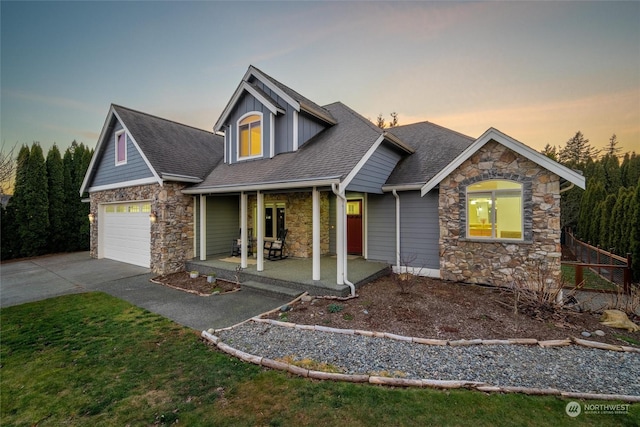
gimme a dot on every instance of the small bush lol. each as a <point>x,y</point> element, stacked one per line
<point>335,308</point>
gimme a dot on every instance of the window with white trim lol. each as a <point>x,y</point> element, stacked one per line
<point>250,136</point>
<point>121,147</point>
<point>495,210</point>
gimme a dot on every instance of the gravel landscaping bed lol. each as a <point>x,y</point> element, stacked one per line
<point>571,368</point>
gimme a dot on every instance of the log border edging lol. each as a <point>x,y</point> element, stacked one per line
<point>406,382</point>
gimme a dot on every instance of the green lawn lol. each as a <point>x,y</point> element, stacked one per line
<point>91,359</point>
<point>591,280</point>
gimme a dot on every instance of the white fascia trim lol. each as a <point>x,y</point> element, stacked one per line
<point>180,178</point>
<point>324,182</point>
<point>244,86</point>
<point>123,184</point>
<point>361,163</point>
<point>224,154</point>
<point>416,271</point>
<point>272,135</point>
<point>282,94</point>
<point>135,144</point>
<point>115,148</point>
<point>518,147</point>
<point>295,131</point>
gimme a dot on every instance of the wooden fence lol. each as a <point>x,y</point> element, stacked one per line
<point>612,267</point>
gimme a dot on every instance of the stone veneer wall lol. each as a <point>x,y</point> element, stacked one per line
<point>494,262</point>
<point>172,233</point>
<point>298,220</point>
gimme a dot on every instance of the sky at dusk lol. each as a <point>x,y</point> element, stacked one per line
<point>537,71</point>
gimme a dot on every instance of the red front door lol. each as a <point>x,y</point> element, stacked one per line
<point>354,227</point>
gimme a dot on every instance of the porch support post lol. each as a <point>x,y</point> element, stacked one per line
<point>243,228</point>
<point>260,242</point>
<point>203,227</point>
<point>316,233</point>
<point>340,239</point>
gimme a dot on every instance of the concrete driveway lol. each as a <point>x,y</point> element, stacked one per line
<point>50,276</point>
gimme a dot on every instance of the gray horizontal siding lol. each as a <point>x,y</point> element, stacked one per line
<point>419,230</point>
<point>381,228</point>
<point>222,224</point>
<point>108,173</point>
<point>376,171</point>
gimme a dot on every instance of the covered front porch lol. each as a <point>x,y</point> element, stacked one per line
<point>293,273</point>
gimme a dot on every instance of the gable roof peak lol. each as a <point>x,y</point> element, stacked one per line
<point>115,107</point>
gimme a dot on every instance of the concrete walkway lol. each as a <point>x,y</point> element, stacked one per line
<point>50,276</point>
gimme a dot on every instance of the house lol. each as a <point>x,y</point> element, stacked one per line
<point>420,197</point>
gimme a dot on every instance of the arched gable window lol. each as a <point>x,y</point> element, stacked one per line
<point>250,136</point>
<point>495,210</point>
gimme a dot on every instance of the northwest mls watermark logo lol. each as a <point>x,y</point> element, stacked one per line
<point>573,409</point>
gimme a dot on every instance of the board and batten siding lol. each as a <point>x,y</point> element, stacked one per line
<point>248,103</point>
<point>375,171</point>
<point>108,173</point>
<point>222,224</point>
<point>307,129</point>
<point>419,230</point>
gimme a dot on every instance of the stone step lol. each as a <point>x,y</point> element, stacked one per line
<point>270,289</point>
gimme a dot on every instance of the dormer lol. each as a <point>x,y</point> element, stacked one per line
<point>265,118</point>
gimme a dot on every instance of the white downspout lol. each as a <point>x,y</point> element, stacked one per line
<point>341,240</point>
<point>395,194</point>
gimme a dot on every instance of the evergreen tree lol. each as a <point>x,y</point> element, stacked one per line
<point>616,224</point>
<point>605,222</point>
<point>69,231</point>
<point>55,177</point>
<point>9,243</point>
<point>17,211</point>
<point>611,172</point>
<point>577,151</point>
<point>34,219</point>
<point>551,151</point>
<point>635,233</point>
<point>76,161</point>
<point>612,148</point>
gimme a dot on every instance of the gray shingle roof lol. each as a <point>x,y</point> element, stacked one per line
<point>334,152</point>
<point>305,103</point>
<point>173,148</point>
<point>435,147</point>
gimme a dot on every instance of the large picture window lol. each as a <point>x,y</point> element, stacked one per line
<point>494,210</point>
<point>250,136</point>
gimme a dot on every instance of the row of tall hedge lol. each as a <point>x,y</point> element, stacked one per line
<point>46,213</point>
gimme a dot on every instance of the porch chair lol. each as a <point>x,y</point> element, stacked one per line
<point>274,250</point>
<point>236,244</point>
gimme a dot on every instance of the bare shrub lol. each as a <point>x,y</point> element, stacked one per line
<point>405,279</point>
<point>629,303</point>
<point>539,293</point>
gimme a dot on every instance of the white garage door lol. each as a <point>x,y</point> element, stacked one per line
<point>127,233</point>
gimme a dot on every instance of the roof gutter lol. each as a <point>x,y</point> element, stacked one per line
<point>180,178</point>
<point>403,187</point>
<point>281,185</point>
